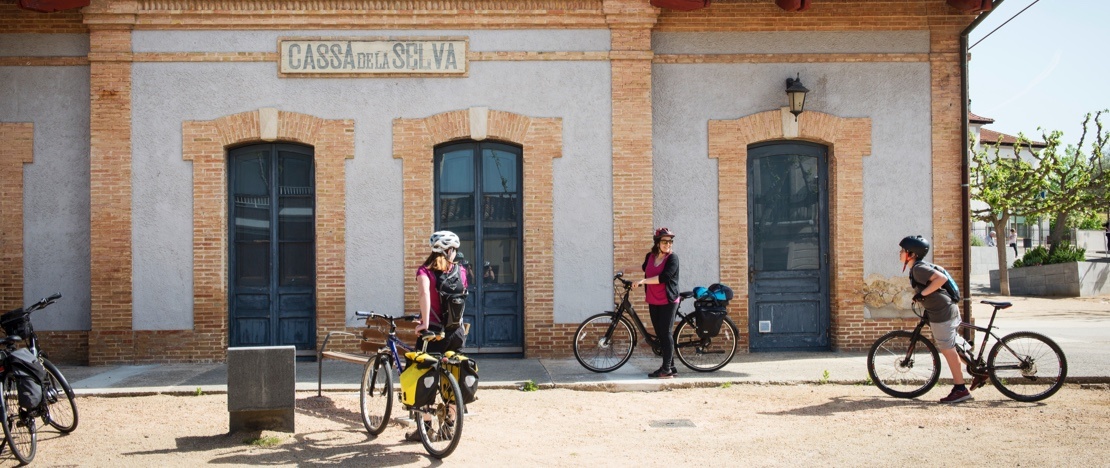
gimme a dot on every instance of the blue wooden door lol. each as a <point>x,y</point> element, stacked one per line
<point>788,247</point>
<point>478,196</point>
<point>272,248</point>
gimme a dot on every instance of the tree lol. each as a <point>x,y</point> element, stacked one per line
<point>1007,186</point>
<point>1076,182</point>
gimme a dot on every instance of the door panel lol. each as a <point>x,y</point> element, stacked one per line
<point>788,245</point>
<point>273,262</point>
<point>479,190</point>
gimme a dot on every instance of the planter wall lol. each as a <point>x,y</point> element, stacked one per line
<point>1073,279</point>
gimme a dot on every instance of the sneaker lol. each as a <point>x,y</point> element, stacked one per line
<point>674,372</point>
<point>413,436</point>
<point>978,382</point>
<point>957,396</point>
<point>661,374</point>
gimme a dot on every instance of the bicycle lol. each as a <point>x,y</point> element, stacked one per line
<point>62,417</point>
<point>1025,366</point>
<point>20,431</point>
<point>439,423</point>
<point>604,342</point>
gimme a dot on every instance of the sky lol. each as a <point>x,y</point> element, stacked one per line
<point>1047,68</point>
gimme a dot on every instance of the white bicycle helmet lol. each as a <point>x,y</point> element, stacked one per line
<point>443,240</point>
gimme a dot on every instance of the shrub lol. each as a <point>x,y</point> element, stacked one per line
<point>1039,256</point>
<point>977,241</point>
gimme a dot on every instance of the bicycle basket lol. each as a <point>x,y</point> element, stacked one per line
<point>17,322</point>
<point>374,337</point>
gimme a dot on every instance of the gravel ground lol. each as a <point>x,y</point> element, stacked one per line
<point>759,425</point>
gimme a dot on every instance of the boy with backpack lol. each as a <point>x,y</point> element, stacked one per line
<point>937,293</point>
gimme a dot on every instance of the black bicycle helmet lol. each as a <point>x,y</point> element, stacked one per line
<point>662,232</point>
<point>916,245</point>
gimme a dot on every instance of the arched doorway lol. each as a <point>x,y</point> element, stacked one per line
<point>272,245</point>
<point>788,242</point>
<point>479,197</point>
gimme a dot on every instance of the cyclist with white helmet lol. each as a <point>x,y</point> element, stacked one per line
<point>941,310</point>
<point>438,268</point>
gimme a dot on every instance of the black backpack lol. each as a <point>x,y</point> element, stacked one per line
<point>452,297</point>
<point>949,287</point>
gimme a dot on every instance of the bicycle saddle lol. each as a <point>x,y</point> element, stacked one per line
<point>1000,305</point>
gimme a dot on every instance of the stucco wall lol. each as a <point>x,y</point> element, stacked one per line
<point>165,94</point>
<point>895,95</point>
<point>56,185</point>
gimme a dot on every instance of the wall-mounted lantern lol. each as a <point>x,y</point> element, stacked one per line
<point>796,94</point>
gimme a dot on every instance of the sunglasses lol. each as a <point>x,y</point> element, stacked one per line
<point>666,241</point>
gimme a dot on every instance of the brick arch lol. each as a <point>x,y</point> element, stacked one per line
<point>414,142</point>
<point>848,140</point>
<point>205,143</point>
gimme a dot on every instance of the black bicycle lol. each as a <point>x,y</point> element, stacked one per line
<point>604,342</point>
<point>61,410</point>
<point>1024,366</point>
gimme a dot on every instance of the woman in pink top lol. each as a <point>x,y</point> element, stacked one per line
<point>661,287</point>
<point>445,246</point>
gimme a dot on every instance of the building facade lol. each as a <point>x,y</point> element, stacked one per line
<point>199,174</point>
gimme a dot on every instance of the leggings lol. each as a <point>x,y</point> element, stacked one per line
<point>662,320</point>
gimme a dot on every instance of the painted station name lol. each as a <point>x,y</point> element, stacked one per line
<point>360,56</point>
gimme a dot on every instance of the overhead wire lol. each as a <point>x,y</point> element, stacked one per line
<point>1003,24</point>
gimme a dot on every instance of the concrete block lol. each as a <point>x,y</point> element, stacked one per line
<point>261,388</point>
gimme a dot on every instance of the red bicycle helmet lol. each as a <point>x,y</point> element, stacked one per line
<point>661,233</point>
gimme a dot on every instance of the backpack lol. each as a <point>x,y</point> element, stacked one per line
<point>949,287</point>
<point>452,297</point>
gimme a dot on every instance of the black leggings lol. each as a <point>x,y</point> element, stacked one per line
<point>662,320</point>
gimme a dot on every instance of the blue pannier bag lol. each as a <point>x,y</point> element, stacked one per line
<point>710,309</point>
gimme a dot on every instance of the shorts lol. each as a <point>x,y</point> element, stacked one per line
<point>944,333</point>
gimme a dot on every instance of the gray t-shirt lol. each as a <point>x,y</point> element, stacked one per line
<point>938,305</point>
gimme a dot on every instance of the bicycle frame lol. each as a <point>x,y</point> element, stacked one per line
<point>625,307</point>
<point>975,363</point>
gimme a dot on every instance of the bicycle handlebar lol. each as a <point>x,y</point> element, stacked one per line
<point>372,314</point>
<point>42,303</point>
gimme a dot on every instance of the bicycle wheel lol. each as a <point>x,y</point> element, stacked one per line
<point>601,350</point>
<point>705,354</point>
<point>19,432</point>
<point>898,375</point>
<point>443,419</point>
<point>1027,366</point>
<point>375,394</point>
<point>61,412</point>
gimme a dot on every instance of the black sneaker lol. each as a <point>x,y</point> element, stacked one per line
<point>661,374</point>
<point>674,372</point>
<point>957,396</point>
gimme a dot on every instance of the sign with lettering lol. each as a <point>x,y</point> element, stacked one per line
<point>372,56</point>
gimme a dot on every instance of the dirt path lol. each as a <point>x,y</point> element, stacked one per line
<point>745,424</point>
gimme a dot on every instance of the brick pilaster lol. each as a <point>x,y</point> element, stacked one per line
<point>111,336</point>
<point>944,64</point>
<point>630,24</point>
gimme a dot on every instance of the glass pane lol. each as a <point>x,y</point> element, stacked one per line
<point>252,264</point>
<point>456,213</point>
<point>252,174</point>
<point>499,215</point>
<point>785,210</point>
<point>456,172</point>
<point>295,174</point>
<point>296,267</point>
<point>499,266</point>
<point>499,171</point>
<point>295,219</point>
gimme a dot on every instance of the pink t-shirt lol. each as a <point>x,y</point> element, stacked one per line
<point>434,314</point>
<point>656,293</point>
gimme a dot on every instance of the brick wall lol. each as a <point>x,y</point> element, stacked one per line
<point>16,149</point>
<point>14,20</point>
<point>541,139</point>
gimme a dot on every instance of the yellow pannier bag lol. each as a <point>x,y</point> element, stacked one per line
<point>419,381</point>
<point>465,371</point>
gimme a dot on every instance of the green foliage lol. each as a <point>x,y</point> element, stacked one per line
<point>824,378</point>
<point>198,392</point>
<point>1039,255</point>
<point>726,385</point>
<point>263,441</point>
<point>529,386</point>
<point>977,241</point>
<point>1091,223</point>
